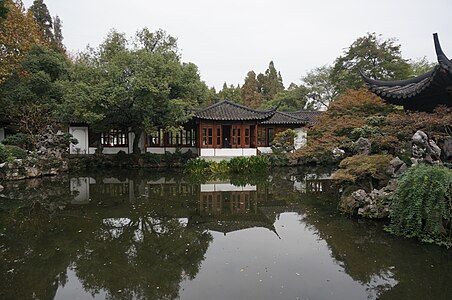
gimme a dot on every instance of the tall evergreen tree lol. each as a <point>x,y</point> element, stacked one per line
<point>43,19</point>
<point>57,43</point>
<point>270,82</point>
<point>231,93</point>
<point>251,94</point>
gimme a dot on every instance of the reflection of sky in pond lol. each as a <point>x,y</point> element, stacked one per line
<point>156,237</point>
<point>256,263</point>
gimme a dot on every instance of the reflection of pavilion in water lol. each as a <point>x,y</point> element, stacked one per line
<point>225,198</point>
<point>85,189</point>
<point>221,206</point>
<point>314,184</point>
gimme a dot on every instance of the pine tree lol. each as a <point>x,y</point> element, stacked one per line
<point>57,43</point>
<point>251,95</point>
<point>43,19</point>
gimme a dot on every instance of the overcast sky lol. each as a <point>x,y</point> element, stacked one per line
<point>226,39</point>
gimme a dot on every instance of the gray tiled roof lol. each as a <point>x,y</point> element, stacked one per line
<point>424,91</point>
<point>310,115</point>
<point>284,118</point>
<point>230,111</point>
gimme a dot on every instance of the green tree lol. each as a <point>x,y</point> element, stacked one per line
<point>142,88</point>
<point>57,43</point>
<point>251,94</point>
<point>43,19</point>
<point>231,93</point>
<point>31,99</point>
<point>271,82</point>
<point>320,88</point>
<point>420,66</point>
<point>372,55</point>
<point>293,99</point>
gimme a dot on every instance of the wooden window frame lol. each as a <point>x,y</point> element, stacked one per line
<point>115,138</point>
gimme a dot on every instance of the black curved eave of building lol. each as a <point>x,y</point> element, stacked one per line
<point>422,93</point>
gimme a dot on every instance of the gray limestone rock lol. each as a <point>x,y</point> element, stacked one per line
<point>362,146</point>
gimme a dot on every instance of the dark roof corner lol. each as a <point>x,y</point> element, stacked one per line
<point>443,60</point>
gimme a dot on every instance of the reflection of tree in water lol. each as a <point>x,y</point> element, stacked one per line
<point>389,266</point>
<point>140,250</point>
<point>143,240</point>
<point>141,257</point>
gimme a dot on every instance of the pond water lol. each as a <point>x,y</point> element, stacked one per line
<point>149,235</point>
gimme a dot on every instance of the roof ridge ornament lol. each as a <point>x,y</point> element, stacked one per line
<point>442,58</point>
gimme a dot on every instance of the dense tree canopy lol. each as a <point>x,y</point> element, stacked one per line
<point>32,98</point>
<point>375,57</point>
<point>320,88</point>
<point>142,87</point>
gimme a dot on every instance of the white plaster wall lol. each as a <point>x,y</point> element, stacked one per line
<point>265,149</point>
<point>249,152</point>
<point>2,134</point>
<point>228,152</point>
<point>81,134</point>
<point>207,152</point>
<point>156,150</point>
<point>300,138</point>
<point>226,187</point>
<point>92,150</point>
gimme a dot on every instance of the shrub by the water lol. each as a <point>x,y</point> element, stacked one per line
<point>3,153</point>
<point>21,140</point>
<point>8,152</point>
<point>422,205</point>
<point>364,170</point>
<point>196,166</point>
<point>252,164</point>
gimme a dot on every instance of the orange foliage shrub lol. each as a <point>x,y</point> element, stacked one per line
<point>338,127</point>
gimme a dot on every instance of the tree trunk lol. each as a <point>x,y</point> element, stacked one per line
<point>136,140</point>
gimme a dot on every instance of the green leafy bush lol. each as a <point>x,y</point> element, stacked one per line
<point>8,152</point>
<point>16,152</point>
<point>243,165</point>
<point>252,164</point>
<point>3,153</point>
<point>21,140</point>
<point>196,166</point>
<point>221,167</point>
<point>422,205</point>
<point>152,158</point>
<point>364,169</point>
<point>284,141</point>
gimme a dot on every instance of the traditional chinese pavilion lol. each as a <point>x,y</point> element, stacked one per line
<point>225,129</point>
<point>422,93</point>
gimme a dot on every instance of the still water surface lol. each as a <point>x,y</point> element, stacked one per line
<point>148,235</point>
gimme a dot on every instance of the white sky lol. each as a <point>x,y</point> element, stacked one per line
<point>226,39</point>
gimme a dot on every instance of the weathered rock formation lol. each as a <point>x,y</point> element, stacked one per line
<point>49,158</point>
<point>362,146</point>
<point>424,150</point>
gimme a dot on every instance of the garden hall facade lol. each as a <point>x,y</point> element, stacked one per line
<point>224,129</point>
